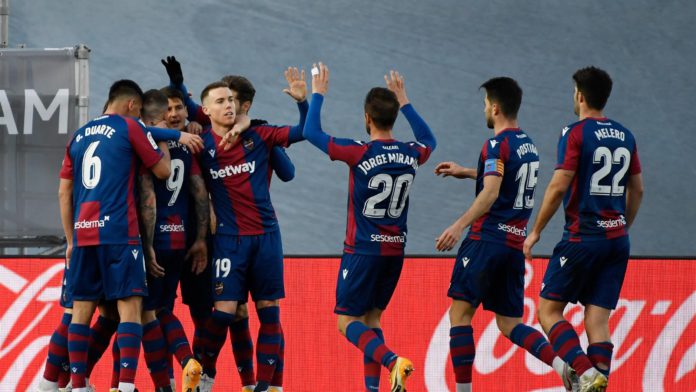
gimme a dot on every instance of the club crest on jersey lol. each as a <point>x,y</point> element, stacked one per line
<point>248,143</point>
<point>212,152</point>
<point>219,288</point>
<point>345,273</point>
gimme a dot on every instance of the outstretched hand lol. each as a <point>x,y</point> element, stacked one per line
<point>446,169</point>
<point>395,83</point>
<point>297,86</point>
<point>320,79</point>
<point>173,67</point>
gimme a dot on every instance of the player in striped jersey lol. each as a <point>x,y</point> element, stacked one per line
<point>489,267</point>
<point>598,178</point>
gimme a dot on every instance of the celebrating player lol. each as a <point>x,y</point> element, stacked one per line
<point>192,285</point>
<point>598,177</point>
<point>381,174</point>
<point>98,211</point>
<point>168,225</point>
<point>489,267</point>
<point>247,251</point>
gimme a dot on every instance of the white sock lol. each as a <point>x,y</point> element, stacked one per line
<point>45,385</point>
<point>126,387</point>
<point>464,387</point>
<point>557,365</point>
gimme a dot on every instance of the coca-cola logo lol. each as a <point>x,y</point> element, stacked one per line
<point>653,329</point>
<point>660,359</point>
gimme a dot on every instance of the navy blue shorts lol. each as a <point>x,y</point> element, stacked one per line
<point>247,264</point>
<point>195,289</point>
<point>107,271</point>
<point>162,291</point>
<point>489,273</point>
<point>366,282</point>
<point>591,272</point>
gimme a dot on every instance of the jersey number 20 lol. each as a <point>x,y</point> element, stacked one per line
<point>394,189</point>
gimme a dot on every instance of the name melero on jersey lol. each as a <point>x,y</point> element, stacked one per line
<point>383,159</point>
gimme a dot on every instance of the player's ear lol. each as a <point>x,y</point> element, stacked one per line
<point>246,106</point>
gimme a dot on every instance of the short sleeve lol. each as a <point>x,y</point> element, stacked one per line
<point>493,158</point>
<point>346,150</point>
<point>570,148</point>
<point>144,145</point>
<point>66,171</point>
<point>274,135</point>
<point>635,162</point>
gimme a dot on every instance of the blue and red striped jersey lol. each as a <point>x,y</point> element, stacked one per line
<point>603,154</point>
<point>513,155</point>
<point>381,175</point>
<point>173,195</point>
<point>103,159</point>
<point>238,179</point>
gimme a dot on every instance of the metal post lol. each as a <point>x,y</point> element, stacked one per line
<point>82,80</point>
<point>4,23</point>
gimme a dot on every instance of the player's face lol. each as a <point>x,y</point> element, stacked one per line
<point>176,114</point>
<point>219,106</point>
<point>576,101</point>
<point>488,111</point>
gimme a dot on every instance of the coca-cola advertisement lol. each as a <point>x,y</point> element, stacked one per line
<point>653,330</point>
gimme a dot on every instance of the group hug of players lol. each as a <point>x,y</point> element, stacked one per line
<point>135,188</point>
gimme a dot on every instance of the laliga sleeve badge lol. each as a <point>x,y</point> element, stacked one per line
<point>248,143</point>
<point>219,287</point>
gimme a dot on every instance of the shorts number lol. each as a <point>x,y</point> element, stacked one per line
<point>604,156</point>
<point>176,179</point>
<point>396,188</point>
<point>527,178</point>
<point>91,167</point>
<point>222,266</point>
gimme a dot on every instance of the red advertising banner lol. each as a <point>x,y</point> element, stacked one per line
<point>653,330</point>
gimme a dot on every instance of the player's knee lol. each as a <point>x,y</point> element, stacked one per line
<point>506,324</point>
<point>242,312</point>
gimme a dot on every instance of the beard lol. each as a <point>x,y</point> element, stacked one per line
<point>489,122</point>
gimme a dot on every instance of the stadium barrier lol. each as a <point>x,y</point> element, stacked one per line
<point>653,330</point>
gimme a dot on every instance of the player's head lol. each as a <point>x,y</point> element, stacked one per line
<point>176,109</point>
<point>125,98</point>
<point>243,92</point>
<point>154,107</point>
<point>503,99</point>
<point>381,109</point>
<point>218,104</point>
<point>592,88</point>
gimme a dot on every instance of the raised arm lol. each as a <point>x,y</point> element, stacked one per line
<point>297,89</point>
<point>312,129</point>
<point>176,80</point>
<point>421,130</point>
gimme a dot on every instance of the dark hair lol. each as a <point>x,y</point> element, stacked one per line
<point>506,93</point>
<point>154,105</point>
<point>382,107</point>
<point>242,86</point>
<point>124,88</point>
<point>212,86</point>
<point>172,93</point>
<point>595,85</point>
